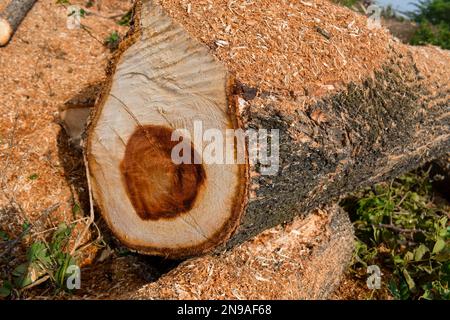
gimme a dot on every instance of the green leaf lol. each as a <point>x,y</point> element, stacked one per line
<point>427,294</point>
<point>443,233</point>
<point>443,222</point>
<point>443,255</point>
<point>428,269</point>
<point>64,261</point>
<point>4,236</point>
<point>21,276</point>
<point>60,238</point>
<point>113,37</point>
<point>37,249</point>
<point>392,286</point>
<point>76,208</point>
<point>409,256</point>
<point>415,197</point>
<point>398,260</point>
<point>399,292</point>
<point>125,19</point>
<point>38,252</point>
<point>20,270</point>
<point>420,251</point>
<point>409,280</point>
<point>6,289</point>
<point>439,245</point>
<point>34,176</point>
<point>26,225</point>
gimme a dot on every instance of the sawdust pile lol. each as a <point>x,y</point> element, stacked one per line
<point>290,47</point>
<point>433,66</point>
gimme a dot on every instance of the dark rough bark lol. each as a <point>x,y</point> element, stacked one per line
<point>374,131</point>
<point>16,11</point>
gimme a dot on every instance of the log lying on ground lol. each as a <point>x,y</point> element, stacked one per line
<point>304,260</point>
<point>164,78</point>
<point>11,18</point>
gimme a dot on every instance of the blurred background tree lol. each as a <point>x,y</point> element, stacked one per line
<point>431,20</point>
<point>433,17</point>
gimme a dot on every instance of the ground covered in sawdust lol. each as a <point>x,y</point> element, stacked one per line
<point>318,48</point>
<point>44,65</point>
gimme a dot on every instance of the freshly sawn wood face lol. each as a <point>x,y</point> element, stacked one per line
<point>163,80</point>
<point>156,186</point>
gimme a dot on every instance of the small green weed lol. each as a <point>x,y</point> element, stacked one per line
<point>33,176</point>
<point>112,41</point>
<point>125,19</point>
<point>400,228</point>
<point>44,261</point>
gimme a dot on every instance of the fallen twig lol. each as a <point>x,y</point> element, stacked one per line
<point>91,209</point>
<point>398,229</point>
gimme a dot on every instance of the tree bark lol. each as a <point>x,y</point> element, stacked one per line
<point>11,18</point>
<point>374,131</point>
<point>162,79</point>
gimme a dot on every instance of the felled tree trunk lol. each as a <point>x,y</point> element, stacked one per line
<point>164,79</point>
<point>306,259</point>
<point>11,18</point>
